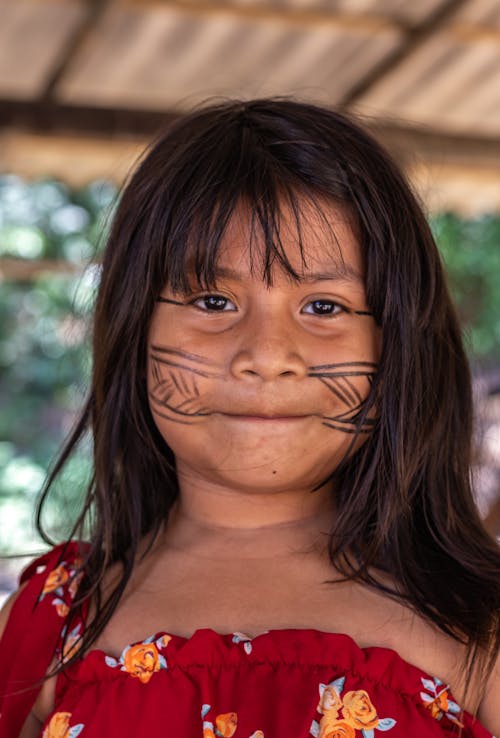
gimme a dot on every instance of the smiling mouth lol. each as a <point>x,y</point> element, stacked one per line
<point>264,418</point>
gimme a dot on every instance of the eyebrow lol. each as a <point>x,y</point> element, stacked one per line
<point>341,272</point>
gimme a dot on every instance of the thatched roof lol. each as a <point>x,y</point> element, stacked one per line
<point>83,85</point>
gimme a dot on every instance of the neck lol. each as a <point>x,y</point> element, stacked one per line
<point>215,522</point>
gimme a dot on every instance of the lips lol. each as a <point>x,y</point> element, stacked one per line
<point>265,416</point>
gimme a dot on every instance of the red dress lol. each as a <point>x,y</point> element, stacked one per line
<point>279,684</point>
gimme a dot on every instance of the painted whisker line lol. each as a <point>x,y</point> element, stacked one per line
<point>190,400</point>
<point>173,409</point>
<point>349,398</point>
<point>187,368</point>
<point>182,354</point>
<point>343,363</point>
<point>174,420</point>
<point>340,374</point>
<point>350,421</point>
<point>352,413</point>
<point>185,386</point>
<point>348,388</point>
<point>156,373</point>
<point>172,377</point>
<point>346,430</point>
<point>334,390</point>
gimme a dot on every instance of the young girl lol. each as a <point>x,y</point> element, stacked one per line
<point>283,540</point>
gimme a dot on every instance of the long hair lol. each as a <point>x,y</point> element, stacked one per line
<point>403,500</point>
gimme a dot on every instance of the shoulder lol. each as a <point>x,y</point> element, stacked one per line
<point>53,577</point>
<point>489,709</point>
<point>6,610</point>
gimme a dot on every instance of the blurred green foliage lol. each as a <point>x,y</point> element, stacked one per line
<point>471,252</point>
<point>44,343</point>
<point>44,332</point>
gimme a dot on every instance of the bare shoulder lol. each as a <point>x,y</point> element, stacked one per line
<point>489,709</point>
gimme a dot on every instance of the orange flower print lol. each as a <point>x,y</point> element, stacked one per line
<point>359,711</point>
<point>226,724</point>
<point>59,727</point>
<point>71,643</point>
<point>57,578</point>
<point>438,701</point>
<point>337,729</point>
<point>330,701</point>
<point>74,584</point>
<point>257,734</point>
<point>62,608</point>
<point>142,661</point>
<point>439,705</point>
<point>344,714</point>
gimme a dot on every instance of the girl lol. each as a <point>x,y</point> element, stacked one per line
<point>283,540</point>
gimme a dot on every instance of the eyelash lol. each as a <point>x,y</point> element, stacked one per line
<point>221,297</point>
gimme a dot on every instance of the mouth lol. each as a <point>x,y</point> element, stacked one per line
<point>266,418</point>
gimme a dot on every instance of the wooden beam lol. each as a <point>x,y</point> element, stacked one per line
<point>76,160</point>
<point>415,37</point>
<point>54,119</point>
<point>416,144</point>
<point>95,9</point>
<point>303,18</point>
<point>50,116</point>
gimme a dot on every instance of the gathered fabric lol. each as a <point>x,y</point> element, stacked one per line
<point>289,683</point>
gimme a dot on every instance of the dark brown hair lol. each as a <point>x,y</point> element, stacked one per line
<point>404,501</point>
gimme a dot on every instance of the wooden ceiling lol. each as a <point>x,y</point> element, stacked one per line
<point>85,83</point>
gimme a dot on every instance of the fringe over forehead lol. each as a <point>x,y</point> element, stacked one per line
<point>267,156</point>
<point>248,160</point>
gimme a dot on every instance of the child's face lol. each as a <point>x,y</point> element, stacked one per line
<point>255,387</point>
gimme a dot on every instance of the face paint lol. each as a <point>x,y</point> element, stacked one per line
<point>175,394</point>
<point>179,390</point>
<point>254,383</point>
<point>336,377</point>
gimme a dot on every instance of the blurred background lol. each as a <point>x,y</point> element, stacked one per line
<point>85,84</point>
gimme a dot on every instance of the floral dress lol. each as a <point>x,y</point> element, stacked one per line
<point>293,683</point>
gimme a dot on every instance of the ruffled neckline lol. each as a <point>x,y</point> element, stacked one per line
<point>304,647</point>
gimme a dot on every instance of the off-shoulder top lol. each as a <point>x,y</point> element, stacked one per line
<point>290,683</point>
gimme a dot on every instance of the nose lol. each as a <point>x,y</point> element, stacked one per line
<point>266,350</point>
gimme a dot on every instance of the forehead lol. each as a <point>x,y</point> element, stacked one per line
<point>320,240</point>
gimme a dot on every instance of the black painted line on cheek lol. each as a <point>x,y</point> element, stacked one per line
<point>351,431</point>
<point>175,420</point>
<point>175,409</point>
<point>320,367</point>
<point>186,368</point>
<point>173,379</point>
<point>348,388</point>
<point>156,373</point>
<point>336,380</point>
<point>328,382</point>
<point>183,354</point>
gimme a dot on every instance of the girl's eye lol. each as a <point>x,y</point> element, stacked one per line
<point>323,307</point>
<point>214,304</point>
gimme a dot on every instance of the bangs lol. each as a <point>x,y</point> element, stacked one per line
<point>238,176</point>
